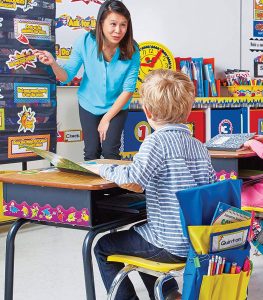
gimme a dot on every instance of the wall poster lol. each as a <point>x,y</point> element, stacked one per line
<point>28,102</point>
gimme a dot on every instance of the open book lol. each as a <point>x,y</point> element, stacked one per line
<point>83,167</point>
<point>64,163</point>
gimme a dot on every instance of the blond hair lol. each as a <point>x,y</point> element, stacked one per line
<point>168,95</point>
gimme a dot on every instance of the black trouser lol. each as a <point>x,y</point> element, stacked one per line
<point>110,147</point>
<point>129,242</point>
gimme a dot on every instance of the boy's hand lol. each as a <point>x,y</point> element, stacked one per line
<point>258,138</point>
<point>134,187</point>
<point>93,168</point>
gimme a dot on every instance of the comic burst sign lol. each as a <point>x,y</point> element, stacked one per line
<point>26,120</point>
<point>22,59</point>
<point>25,5</point>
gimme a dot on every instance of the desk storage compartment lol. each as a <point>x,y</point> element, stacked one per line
<point>115,207</point>
<point>65,206</point>
<point>229,168</point>
<point>48,204</point>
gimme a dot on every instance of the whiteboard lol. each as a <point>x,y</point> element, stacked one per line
<point>204,28</point>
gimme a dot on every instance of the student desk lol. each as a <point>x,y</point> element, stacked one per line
<point>53,197</point>
<point>227,164</point>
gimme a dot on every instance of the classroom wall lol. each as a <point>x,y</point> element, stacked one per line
<point>207,28</point>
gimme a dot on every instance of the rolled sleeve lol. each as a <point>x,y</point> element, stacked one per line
<point>75,61</point>
<point>130,80</point>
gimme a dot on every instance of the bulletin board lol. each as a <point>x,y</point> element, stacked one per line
<point>73,18</point>
<point>27,87</point>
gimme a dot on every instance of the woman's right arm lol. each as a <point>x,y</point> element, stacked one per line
<point>69,70</point>
<point>47,58</point>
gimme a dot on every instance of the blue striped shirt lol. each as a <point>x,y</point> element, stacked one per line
<point>169,160</point>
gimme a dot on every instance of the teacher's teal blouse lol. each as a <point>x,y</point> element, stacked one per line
<point>102,81</point>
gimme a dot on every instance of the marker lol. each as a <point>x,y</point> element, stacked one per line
<point>238,269</point>
<point>218,265</point>
<point>222,265</point>
<point>215,265</point>
<point>246,266</point>
<point>209,267</point>
<point>227,267</point>
<point>212,265</point>
<point>233,268</point>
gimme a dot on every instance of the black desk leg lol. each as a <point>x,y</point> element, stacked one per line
<point>87,264</point>
<point>9,258</point>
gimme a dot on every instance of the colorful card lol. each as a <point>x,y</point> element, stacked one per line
<point>225,214</point>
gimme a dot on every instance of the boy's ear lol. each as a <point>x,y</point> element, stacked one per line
<point>147,112</point>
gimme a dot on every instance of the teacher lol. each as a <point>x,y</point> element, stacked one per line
<point>111,62</point>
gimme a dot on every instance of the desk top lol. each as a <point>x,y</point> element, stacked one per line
<point>232,154</point>
<point>53,177</point>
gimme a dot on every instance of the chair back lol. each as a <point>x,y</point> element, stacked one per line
<point>198,206</point>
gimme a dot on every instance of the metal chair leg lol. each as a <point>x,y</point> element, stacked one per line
<point>158,293</point>
<point>118,279</point>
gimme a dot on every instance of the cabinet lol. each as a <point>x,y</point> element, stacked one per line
<point>228,164</point>
<point>210,116</point>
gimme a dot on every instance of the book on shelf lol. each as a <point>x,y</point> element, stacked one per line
<point>228,142</point>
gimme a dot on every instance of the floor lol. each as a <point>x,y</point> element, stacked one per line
<point>48,265</point>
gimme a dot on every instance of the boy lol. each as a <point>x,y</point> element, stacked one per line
<point>169,160</point>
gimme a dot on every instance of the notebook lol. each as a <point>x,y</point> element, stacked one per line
<point>228,142</point>
<point>225,214</point>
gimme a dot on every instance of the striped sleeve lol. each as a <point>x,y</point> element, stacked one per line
<point>145,165</point>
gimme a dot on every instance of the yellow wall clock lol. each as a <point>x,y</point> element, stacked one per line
<point>153,56</point>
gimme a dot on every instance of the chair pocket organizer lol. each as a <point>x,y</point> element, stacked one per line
<point>225,286</point>
<point>215,267</point>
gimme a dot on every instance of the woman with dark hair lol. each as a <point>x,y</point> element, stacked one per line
<point>111,62</point>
